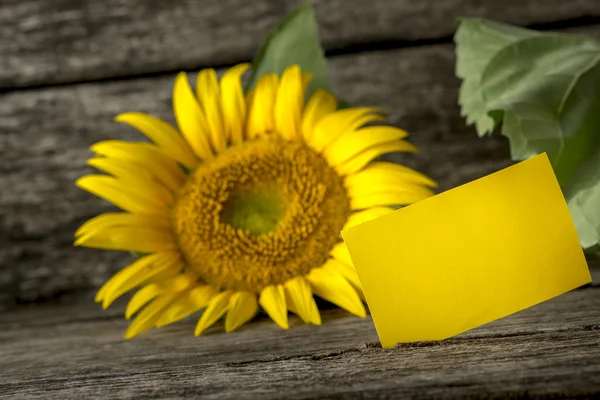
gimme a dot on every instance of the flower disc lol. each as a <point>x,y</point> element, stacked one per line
<point>242,206</point>
<point>260,214</point>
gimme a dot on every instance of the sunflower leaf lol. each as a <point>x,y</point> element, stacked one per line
<point>342,104</point>
<point>545,90</point>
<point>294,41</point>
<point>477,42</point>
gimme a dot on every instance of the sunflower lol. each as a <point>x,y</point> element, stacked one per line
<point>243,205</point>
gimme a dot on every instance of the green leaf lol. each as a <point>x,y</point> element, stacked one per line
<point>295,41</point>
<point>545,90</point>
<point>583,198</point>
<point>477,42</point>
<point>342,104</point>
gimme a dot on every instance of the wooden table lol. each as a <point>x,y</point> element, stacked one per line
<point>77,351</point>
<point>67,67</point>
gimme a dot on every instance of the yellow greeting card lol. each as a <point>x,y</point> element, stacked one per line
<point>468,256</point>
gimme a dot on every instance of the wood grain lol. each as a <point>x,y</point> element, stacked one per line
<point>46,133</point>
<point>69,351</point>
<point>50,42</point>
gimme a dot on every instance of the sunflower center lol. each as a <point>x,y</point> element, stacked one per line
<point>259,214</point>
<point>257,210</point>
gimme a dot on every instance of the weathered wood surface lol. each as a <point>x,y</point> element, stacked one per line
<point>47,42</point>
<point>46,133</point>
<point>54,352</point>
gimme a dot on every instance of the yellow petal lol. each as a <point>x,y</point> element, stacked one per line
<point>358,162</point>
<point>209,93</point>
<point>140,264</point>
<point>189,117</point>
<point>192,301</point>
<point>320,105</point>
<point>365,189</point>
<point>272,300</point>
<point>143,270</point>
<point>340,252</point>
<point>366,215</point>
<point>381,171</point>
<point>347,271</point>
<point>163,134</point>
<point>124,197</point>
<point>261,114</point>
<point>333,125</point>
<point>242,307</point>
<point>342,263</point>
<point>135,178</point>
<point>148,316</point>
<point>110,220</point>
<point>333,287</point>
<point>289,103</point>
<point>146,157</point>
<point>217,306</point>
<point>173,285</point>
<point>300,300</point>
<point>233,104</point>
<point>386,199</point>
<point>353,143</point>
<point>315,316</point>
<point>101,293</point>
<point>141,298</point>
<point>124,274</point>
<point>129,238</point>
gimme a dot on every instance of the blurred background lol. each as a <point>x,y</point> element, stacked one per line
<point>67,67</point>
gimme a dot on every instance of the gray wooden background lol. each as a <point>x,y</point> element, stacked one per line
<point>67,67</point>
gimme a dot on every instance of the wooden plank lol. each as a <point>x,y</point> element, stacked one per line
<point>49,42</point>
<point>77,351</point>
<point>46,134</point>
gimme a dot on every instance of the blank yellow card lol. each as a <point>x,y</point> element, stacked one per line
<point>468,256</point>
